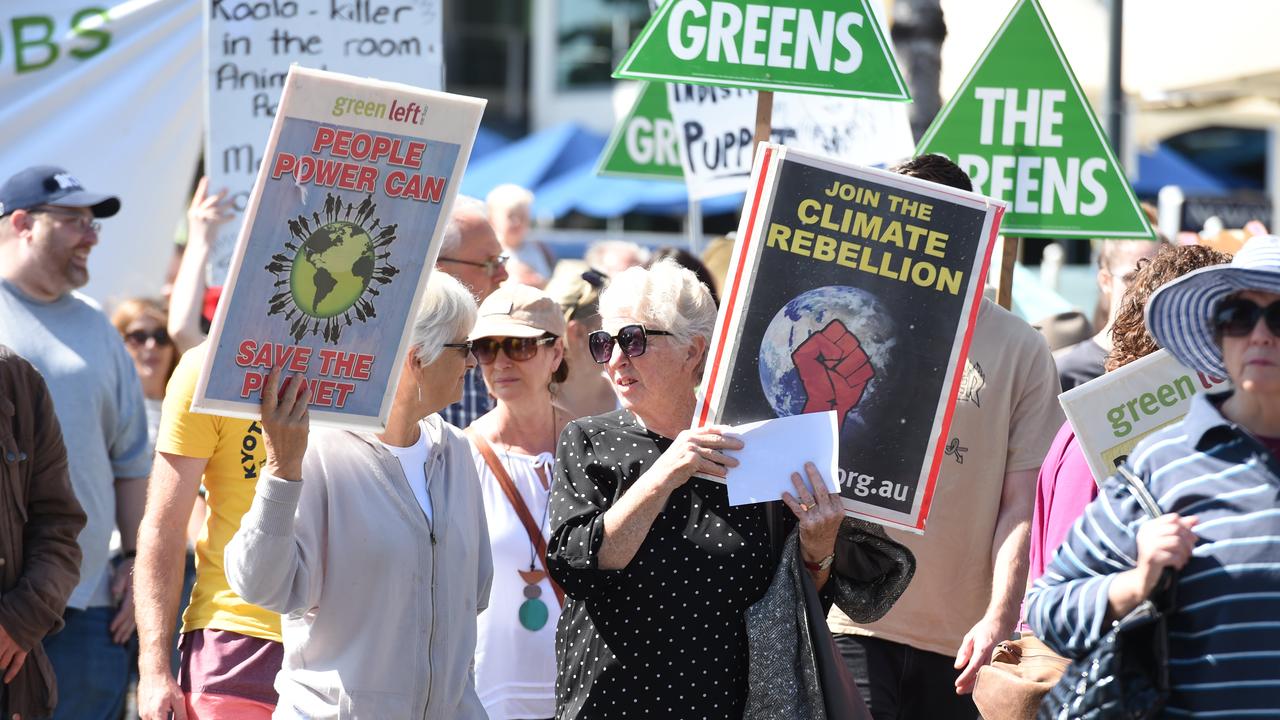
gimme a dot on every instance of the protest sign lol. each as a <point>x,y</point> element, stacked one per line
<point>1113,413</point>
<point>1023,130</point>
<point>644,144</point>
<point>249,46</point>
<point>828,47</point>
<point>342,229</point>
<point>873,286</point>
<point>715,129</point>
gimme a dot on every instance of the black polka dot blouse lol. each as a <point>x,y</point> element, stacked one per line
<point>666,636</point>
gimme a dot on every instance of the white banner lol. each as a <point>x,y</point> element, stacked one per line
<point>250,45</point>
<point>110,91</point>
<point>715,127</point>
<point>1112,414</point>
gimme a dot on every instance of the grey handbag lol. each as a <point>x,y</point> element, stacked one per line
<point>795,670</point>
<point>1127,674</point>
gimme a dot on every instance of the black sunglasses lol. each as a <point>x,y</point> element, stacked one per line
<point>518,349</point>
<point>140,337</point>
<point>465,347</point>
<point>1237,317</point>
<point>633,339</point>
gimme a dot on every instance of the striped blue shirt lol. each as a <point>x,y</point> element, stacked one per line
<point>1224,636</point>
<point>474,402</point>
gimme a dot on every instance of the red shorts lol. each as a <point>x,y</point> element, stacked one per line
<point>228,675</point>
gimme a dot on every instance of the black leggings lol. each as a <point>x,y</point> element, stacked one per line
<point>899,682</point>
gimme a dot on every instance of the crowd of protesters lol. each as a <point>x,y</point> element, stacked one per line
<point>536,533</point>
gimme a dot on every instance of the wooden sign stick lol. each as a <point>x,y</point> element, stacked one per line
<point>1008,256</point>
<point>764,117</point>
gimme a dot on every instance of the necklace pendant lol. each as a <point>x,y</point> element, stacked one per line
<point>533,611</point>
<point>532,577</point>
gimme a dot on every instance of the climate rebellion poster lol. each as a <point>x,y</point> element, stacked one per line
<point>855,290</point>
<point>342,230</point>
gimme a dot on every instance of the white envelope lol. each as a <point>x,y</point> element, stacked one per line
<point>776,448</point>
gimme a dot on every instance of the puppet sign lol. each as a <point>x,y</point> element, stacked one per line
<point>1022,129</point>
<point>342,229</point>
<point>872,289</point>
<point>1110,415</point>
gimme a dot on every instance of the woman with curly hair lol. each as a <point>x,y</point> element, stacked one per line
<point>1066,485</point>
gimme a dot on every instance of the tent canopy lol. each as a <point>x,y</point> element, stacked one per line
<point>1162,166</point>
<point>558,166</point>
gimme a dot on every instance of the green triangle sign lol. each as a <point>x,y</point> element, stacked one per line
<point>1022,128</point>
<point>644,145</point>
<point>824,47</point>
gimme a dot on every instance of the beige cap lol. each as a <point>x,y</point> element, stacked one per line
<point>569,287</point>
<point>518,311</point>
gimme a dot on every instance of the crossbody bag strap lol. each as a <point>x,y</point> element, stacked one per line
<point>1140,492</point>
<point>517,504</point>
<point>1151,507</point>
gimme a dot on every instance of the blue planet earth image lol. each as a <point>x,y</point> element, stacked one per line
<point>807,314</point>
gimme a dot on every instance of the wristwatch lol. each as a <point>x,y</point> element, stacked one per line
<point>821,565</point>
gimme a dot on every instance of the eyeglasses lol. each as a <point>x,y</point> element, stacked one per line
<point>140,337</point>
<point>80,222</point>
<point>466,347</point>
<point>518,349</point>
<point>490,266</point>
<point>633,339</point>
<point>1237,317</point>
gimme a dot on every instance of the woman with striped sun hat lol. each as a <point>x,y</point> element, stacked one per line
<point>1217,477</point>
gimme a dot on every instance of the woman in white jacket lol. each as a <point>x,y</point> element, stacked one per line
<point>374,547</point>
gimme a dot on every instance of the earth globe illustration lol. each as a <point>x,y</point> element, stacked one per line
<point>808,313</point>
<point>332,269</point>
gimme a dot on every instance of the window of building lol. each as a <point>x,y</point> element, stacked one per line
<point>593,35</point>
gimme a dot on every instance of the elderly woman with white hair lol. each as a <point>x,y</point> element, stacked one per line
<point>657,567</point>
<point>374,546</point>
<point>510,212</point>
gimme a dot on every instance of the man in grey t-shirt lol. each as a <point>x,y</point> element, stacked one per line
<point>48,226</point>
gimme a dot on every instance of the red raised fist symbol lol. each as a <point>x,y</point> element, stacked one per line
<point>834,368</point>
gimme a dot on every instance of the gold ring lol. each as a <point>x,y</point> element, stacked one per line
<point>804,508</point>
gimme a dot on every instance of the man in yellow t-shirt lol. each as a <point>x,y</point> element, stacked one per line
<point>230,650</point>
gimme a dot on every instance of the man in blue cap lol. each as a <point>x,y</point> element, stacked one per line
<point>48,227</point>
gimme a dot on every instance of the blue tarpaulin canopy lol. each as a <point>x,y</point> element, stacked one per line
<point>583,191</point>
<point>558,166</point>
<point>1164,166</point>
<point>534,160</point>
<point>487,142</point>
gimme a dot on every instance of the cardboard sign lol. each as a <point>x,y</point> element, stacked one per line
<point>827,47</point>
<point>1023,130</point>
<point>248,49</point>
<point>1113,413</point>
<point>644,145</point>
<point>715,132</point>
<point>342,230</point>
<point>873,286</point>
